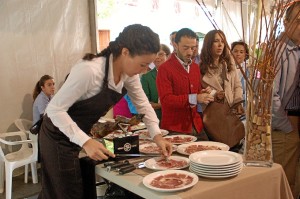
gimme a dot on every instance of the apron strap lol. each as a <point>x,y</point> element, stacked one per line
<point>105,81</point>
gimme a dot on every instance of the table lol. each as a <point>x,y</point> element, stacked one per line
<point>251,183</point>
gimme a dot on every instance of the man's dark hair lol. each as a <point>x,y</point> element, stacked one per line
<point>185,32</point>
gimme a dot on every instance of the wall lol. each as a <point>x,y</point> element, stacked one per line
<point>37,37</point>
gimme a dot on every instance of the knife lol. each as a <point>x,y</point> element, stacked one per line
<point>134,162</point>
<point>125,167</point>
<point>138,155</point>
<point>130,168</point>
<point>106,164</point>
<point>119,164</point>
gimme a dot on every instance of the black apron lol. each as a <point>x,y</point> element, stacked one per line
<point>62,176</point>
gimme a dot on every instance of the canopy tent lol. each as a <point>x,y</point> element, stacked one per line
<point>47,37</point>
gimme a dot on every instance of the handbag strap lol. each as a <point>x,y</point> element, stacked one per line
<point>223,75</point>
<point>236,104</point>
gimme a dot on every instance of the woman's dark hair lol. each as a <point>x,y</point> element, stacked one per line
<point>242,43</point>
<point>206,54</point>
<point>166,49</point>
<point>185,32</point>
<point>37,89</point>
<point>138,39</point>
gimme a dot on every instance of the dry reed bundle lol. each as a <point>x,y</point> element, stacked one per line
<point>262,71</point>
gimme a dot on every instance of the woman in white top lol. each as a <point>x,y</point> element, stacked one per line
<point>42,94</point>
<point>94,85</point>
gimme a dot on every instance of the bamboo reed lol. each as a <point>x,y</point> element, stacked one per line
<point>262,71</point>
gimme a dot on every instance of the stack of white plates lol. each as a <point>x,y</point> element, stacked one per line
<point>216,164</point>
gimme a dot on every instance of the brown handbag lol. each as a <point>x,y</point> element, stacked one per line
<point>222,124</point>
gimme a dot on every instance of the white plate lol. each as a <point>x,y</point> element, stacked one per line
<point>144,134</point>
<point>215,173</point>
<point>190,137</point>
<point>215,176</point>
<point>143,148</point>
<point>141,142</point>
<point>230,170</point>
<point>219,168</point>
<point>215,158</point>
<point>139,126</point>
<point>105,119</point>
<point>115,134</point>
<point>152,163</point>
<point>149,178</point>
<point>181,148</point>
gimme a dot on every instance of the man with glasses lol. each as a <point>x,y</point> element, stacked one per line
<point>178,85</point>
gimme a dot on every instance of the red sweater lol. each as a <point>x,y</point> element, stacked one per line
<point>174,85</point>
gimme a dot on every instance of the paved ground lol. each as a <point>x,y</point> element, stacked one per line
<point>21,190</point>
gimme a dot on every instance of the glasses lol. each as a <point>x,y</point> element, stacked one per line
<point>161,54</point>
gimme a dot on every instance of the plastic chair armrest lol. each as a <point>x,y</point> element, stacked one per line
<point>15,142</point>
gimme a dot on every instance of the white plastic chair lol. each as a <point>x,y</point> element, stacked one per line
<point>12,160</point>
<point>24,125</point>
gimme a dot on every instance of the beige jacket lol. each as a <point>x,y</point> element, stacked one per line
<point>232,86</point>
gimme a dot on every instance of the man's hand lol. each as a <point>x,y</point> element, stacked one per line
<point>206,90</point>
<point>165,146</point>
<point>204,98</point>
<point>96,150</point>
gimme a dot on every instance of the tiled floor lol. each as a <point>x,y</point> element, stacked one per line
<point>21,190</point>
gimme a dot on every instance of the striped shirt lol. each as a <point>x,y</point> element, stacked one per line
<point>294,103</point>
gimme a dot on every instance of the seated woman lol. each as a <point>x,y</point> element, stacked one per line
<point>42,94</point>
<point>149,79</point>
<point>218,69</point>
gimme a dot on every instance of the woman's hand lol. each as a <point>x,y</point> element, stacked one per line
<point>220,95</point>
<point>240,110</point>
<point>165,146</point>
<point>96,150</point>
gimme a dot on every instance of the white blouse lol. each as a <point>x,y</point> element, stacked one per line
<point>85,81</point>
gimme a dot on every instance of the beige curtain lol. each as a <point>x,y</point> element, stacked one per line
<point>37,37</point>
